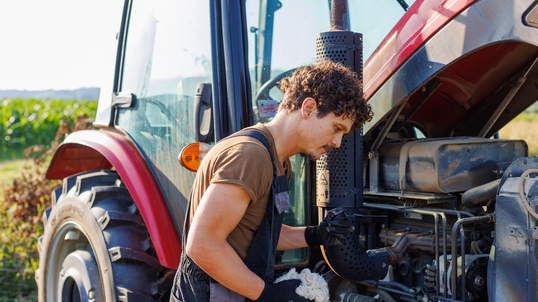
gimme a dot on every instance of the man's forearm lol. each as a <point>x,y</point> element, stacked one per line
<point>221,262</point>
<point>291,238</point>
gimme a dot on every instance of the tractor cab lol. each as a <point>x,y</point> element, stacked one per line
<point>441,209</point>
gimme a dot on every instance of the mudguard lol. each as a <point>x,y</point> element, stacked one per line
<point>102,149</point>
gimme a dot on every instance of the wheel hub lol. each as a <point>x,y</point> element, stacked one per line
<point>79,278</point>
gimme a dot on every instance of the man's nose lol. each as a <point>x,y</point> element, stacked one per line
<point>337,141</point>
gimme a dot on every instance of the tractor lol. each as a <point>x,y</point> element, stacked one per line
<point>442,209</point>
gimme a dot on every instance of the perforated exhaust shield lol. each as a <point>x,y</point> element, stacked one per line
<point>351,261</point>
<point>341,46</point>
<point>339,173</point>
<point>339,180</point>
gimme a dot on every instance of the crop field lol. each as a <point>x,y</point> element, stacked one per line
<point>24,123</point>
<point>24,191</point>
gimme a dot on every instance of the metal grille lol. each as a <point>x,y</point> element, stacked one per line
<point>339,178</point>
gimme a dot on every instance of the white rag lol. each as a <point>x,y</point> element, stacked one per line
<point>312,287</point>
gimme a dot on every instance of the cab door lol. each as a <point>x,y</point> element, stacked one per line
<point>167,51</point>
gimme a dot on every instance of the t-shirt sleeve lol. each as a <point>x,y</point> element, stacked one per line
<point>247,165</point>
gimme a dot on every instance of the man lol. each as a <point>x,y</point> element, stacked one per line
<point>234,223</point>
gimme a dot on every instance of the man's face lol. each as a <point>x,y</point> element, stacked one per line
<point>326,133</point>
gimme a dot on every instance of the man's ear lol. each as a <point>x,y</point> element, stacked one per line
<point>308,108</point>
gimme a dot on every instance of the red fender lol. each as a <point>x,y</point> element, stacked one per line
<point>101,149</point>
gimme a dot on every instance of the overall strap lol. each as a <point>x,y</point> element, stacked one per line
<point>259,136</point>
<point>280,183</point>
<point>261,256</point>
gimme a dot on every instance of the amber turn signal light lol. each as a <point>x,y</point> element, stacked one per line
<point>192,155</point>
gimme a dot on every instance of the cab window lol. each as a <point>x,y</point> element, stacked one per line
<point>167,53</point>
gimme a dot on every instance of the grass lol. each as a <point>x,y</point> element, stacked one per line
<point>9,170</point>
<point>19,258</point>
<point>24,194</point>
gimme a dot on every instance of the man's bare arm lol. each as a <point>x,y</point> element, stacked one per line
<point>291,238</point>
<point>219,212</point>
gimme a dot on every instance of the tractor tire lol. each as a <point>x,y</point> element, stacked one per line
<point>96,247</point>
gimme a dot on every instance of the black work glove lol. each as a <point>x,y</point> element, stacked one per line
<point>283,291</point>
<point>331,231</point>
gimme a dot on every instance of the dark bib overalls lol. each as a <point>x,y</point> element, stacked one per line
<point>192,284</point>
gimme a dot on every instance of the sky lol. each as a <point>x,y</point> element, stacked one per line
<point>70,44</point>
<point>57,44</point>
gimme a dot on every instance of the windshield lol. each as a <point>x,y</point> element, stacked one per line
<point>282,36</point>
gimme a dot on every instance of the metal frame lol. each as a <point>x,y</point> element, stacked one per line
<point>219,76</point>
<point>506,101</point>
<point>237,79</point>
<point>108,121</point>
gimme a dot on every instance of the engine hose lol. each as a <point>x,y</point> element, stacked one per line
<point>522,192</point>
<point>393,284</point>
<point>386,289</point>
<point>385,295</point>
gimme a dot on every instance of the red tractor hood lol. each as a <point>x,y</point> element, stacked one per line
<point>452,63</point>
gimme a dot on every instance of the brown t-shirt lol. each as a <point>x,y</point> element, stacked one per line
<point>243,161</point>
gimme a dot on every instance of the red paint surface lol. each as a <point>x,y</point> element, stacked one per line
<point>423,19</point>
<point>122,154</point>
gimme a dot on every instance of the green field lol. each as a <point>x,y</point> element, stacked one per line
<point>9,170</point>
<point>34,122</point>
<point>24,192</point>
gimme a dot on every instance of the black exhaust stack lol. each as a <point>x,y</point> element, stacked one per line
<point>339,174</point>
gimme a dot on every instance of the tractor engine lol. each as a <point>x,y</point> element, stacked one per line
<point>425,213</point>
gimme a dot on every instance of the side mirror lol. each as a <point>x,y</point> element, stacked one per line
<point>203,115</point>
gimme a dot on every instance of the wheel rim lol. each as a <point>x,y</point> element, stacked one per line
<point>73,272</point>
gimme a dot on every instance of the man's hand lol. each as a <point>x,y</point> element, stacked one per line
<point>282,292</point>
<point>331,231</point>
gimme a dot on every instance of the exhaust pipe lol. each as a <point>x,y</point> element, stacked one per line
<point>339,15</point>
<point>339,178</point>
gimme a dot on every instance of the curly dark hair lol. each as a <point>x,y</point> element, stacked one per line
<point>333,86</point>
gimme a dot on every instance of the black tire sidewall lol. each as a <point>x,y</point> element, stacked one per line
<point>71,209</point>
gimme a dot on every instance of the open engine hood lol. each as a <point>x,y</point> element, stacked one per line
<point>455,81</point>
